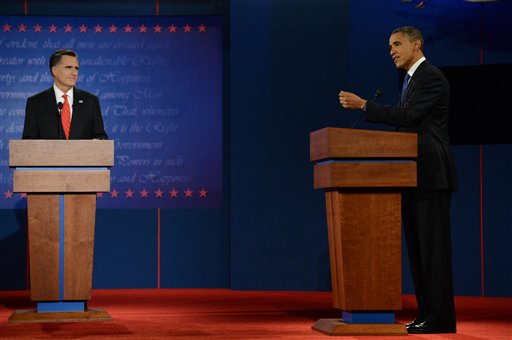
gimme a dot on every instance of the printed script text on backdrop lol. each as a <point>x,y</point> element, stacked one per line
<point>159,81</point>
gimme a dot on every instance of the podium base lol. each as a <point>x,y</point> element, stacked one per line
<point>28,316</point>
<point>338,327</point>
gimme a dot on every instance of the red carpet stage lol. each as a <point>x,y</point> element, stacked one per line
<point>226,314</point>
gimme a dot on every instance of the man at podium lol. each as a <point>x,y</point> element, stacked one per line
<point>63,111</point>
<point>61,179</point>
<point>423,109</point>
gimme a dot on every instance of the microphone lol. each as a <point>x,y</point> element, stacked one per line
<point>377,94</point>
<point>59,106</point>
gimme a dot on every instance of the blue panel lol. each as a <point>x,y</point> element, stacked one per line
<point>13,249</point>
<point>367,317</point>
<point>466,222</point>
<point>12,7</point>
<point>497,212</point>
<point>497,32</point>
<point>60,306</point>
<point>194,248</point>
<point>284,245</point>
<point>125,249</point>
<point>92,7</point>
<point>286,72</point>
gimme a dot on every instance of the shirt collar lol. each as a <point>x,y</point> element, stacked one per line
<point>59,93</point>
<point>415,66</point>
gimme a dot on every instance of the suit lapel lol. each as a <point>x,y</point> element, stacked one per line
<point>77,109</point>
<point>414,79</point>
<point>50,103</point>
<point>408,89</point>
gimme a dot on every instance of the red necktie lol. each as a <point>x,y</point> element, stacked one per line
<point>65,116</point>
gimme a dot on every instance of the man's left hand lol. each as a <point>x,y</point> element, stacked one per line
<point>351,101</point>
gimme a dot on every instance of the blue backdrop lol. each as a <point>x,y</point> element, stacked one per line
<point>284,64</point>
<point>159,81</point>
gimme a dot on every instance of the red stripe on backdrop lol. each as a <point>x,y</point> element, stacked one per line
<point>26,7</point>
<point>156,5</point>
<point>482,222</point>
<point>481,164</point>
<point>158,251</point>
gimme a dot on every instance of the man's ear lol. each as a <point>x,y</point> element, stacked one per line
<point>417,45</point>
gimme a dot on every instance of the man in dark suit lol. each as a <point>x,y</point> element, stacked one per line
<point>47,112</point>
<point>423,109</point>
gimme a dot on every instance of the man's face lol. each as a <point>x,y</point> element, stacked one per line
<point>65,73</point>
<point>404,52</point>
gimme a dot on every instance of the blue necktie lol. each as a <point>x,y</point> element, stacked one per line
<point>404,88</point>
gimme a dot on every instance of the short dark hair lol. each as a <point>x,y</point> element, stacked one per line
<point>57,56</point>
<point>412,32</point>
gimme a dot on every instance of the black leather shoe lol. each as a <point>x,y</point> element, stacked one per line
<point>414,323</point>
<point>426,327</point>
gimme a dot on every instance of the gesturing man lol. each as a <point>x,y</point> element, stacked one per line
<point>423,109</point>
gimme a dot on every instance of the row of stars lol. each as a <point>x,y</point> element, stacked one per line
<point>189,193</point>
<point>112,28</point>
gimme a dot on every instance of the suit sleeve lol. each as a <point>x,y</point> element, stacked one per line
<point>30,130</point>
<point>421,99</point>
<point>98,127</point>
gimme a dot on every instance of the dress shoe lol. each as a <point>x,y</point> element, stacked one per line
<point>414,323</point>
<point>426,327</point>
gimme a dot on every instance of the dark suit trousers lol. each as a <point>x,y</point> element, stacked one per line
<point>426,218</point>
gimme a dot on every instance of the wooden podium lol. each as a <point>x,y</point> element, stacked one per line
<point>61,179</point>
<point>362,173</point>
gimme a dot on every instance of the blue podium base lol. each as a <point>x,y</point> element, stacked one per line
<point>61,306</point>
<point>368,317</point>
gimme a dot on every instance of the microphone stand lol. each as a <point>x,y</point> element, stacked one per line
<point>59,111</point>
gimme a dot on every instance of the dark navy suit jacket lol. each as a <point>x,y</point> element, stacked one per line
<point>425,111</point>
<point>42,119</point>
